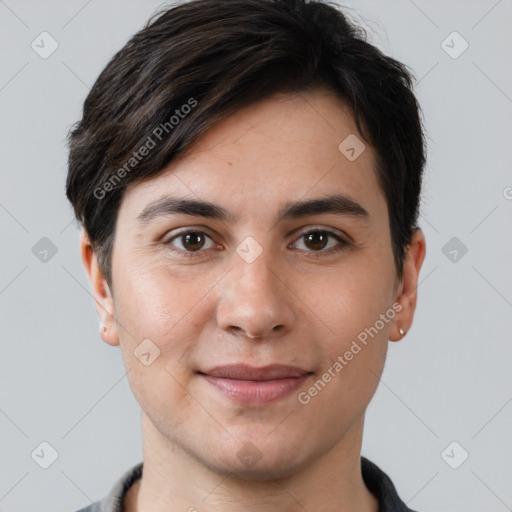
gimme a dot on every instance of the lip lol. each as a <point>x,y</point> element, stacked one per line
<point>255,386</point>
<point>263,373</point>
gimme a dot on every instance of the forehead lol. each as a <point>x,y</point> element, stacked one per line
<point>283,148</point>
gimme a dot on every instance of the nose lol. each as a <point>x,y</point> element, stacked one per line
<point>255,299</point>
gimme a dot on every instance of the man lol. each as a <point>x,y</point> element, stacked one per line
<point>247,174</point>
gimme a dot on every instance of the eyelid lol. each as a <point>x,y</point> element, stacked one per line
<point>185,230</point>
<point>341,246</point>
<point>333,231</point>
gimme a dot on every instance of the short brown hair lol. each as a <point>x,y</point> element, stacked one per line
<point>214,57</point>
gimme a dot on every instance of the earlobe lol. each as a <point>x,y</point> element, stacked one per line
<point>109,336</point>
<point>397,331</point>
<point>101,292</point>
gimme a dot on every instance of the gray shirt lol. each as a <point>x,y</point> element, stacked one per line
<point>379,484</point>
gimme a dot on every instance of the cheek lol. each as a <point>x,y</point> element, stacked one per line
<point>357,315</point>
<point>353,302</point>
<point>168,310</point>
<point>353,361</point>
<point>152,303</point>
<point>156,336</point>
<point>161,393</point>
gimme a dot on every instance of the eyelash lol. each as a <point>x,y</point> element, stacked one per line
<point>343,244</point>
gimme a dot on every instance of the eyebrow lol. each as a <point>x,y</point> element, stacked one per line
<point>337,204</point>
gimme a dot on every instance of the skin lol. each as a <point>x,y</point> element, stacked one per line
<point>285,307</point>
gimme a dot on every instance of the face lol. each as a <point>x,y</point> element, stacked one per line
<point>262,279</point>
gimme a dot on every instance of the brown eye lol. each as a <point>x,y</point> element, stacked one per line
<point>189,242</point>
<point>318,241</point>
<point>193,240</point>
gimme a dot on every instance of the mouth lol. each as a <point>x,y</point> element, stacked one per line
<point>255,386</point>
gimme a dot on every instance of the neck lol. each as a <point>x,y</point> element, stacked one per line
<point>174,480</point>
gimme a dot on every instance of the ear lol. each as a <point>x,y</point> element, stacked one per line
<point>101,292</point>
<point>406,293</point>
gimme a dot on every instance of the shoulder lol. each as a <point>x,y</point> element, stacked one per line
<point>114,500</point>
<point>382,487</point>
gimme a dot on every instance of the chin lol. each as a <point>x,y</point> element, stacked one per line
<point>251,463</point>
<point>260,472</point>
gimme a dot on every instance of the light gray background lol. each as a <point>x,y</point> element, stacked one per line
<point>448,380</point>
